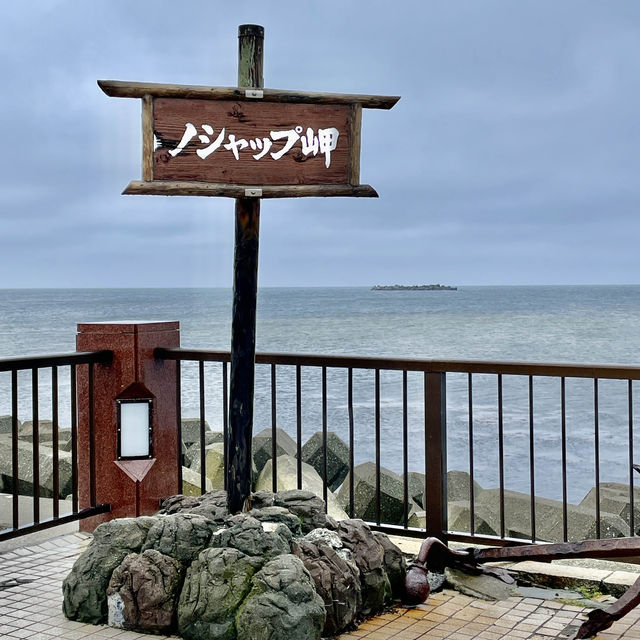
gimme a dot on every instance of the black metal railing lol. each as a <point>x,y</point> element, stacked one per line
<point>409,428</point>
<point>25,387</point>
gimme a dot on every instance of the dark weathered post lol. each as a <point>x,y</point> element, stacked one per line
<point>245,287</point>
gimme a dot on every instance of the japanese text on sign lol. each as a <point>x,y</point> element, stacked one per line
<point>324,142</point>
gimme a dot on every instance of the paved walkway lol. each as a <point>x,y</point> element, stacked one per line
<point>31,607</point>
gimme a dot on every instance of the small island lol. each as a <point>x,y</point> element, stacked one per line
<point>414,287</point>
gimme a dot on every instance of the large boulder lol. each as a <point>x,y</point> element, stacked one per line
<point>191,450</point>
<point>364,494</point>
<point>336,577</point>
<point>368,554</point>
<point>306,505</point>
<point>337,457</point>
<point>191,430</point>
<point>214,464</point>
<point>395,565</point>
<point>182,536</point>
<point>259,540</point>
<point>191,482</point>
<point>212,505</point>
<point>143,592</point>
<point>287,480</point>
<point>459,486</point>
<point>262,446</point>
<point>282,605</point>
<point>25,469</point>
<point>84,589</point>
<point>614,498</point>
<point>215,585</point>
<point>278,514</point>
<point>6,424</point>
<point>581,522</point>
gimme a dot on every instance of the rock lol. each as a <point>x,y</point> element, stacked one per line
<point>364,494</point>
<point>395,565</point>
<point>282,605</point>
<point>517,506</point>
<point>143,592</point>
<point>278,515</point>
<point>84,589</point>
<point>336,580</point>
<point>481,586</point>
<point>337,457</point>
<point>458,485</point>
<point>614,498</point>
<point>25,469</point>
<point>368,554</point>
<point>191,430</point>
<point>181,536</point>
<point>191,451</point>
<point>261,448</point>
<point>191,482</point>
<point>287,481</point>
<point>214,464</point>
<point>212,505</point>
<point>215,585</point>
<point>254,538</point>
<point>304,504</point>
<point>6,424</point>
<point>415,482</point>
<point>459,518</point>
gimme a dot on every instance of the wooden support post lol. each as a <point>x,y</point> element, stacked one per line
<point>245,288</point>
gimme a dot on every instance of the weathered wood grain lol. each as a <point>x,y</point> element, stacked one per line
<point>355,129</point>
<point>249,121</point>
<point>121,89</point>
<point>176,188</point>
<point>147,138</point>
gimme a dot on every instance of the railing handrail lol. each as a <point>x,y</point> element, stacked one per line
<point>564,370</point>
<point>56,360</point>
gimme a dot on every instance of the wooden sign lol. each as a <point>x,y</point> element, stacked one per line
<point>235,142</point>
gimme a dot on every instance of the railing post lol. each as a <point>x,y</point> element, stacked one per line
<point>132,481</point>
<point>435,434</point>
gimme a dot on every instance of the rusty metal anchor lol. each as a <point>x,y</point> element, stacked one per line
<point>435,555</point>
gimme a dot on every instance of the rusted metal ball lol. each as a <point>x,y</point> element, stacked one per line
<point>416,585</point>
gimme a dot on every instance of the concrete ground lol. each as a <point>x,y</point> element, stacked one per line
<point>31,598</point>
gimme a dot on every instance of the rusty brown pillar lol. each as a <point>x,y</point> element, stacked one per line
<point>132,485</point>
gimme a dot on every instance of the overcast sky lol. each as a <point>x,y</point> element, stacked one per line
<point>513,156</point>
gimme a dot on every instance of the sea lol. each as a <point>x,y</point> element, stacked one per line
<point>570,324</point>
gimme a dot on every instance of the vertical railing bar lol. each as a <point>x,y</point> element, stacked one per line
<point>274,435</point>
<point>14,447</point>
<point>351,439</point>
<point>54,440</point>
<point>472,509</point>
<point>426,438</point>
<point>532,471</point>
<point>203,451</point>
<point>632,496</point>
<point>299,425</point>
<point>405,447</point>
<point>225,422</point>
<point>596,437</point>
<point>74,438</point>
<point>92,437</point>
<point>377,436</point>
<point>324,435</point>
<point>35,412</point>
<point>179,422</point>
<point>501,454</point>
<point>563,428</point>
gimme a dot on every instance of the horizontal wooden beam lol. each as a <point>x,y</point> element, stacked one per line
<point>119,89</point>
<point>171,188</point>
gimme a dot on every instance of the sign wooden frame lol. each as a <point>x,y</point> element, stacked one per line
<point>346,184</point>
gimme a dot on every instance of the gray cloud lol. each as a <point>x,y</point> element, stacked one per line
<point>511,158</point>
